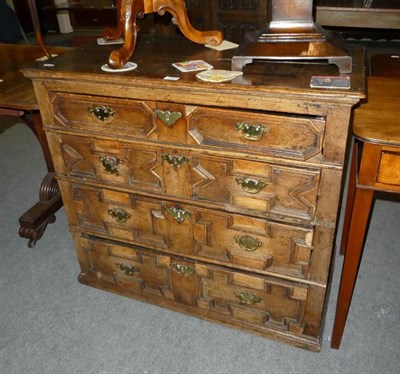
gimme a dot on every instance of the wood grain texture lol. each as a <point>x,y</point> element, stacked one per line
<point>170,203</point>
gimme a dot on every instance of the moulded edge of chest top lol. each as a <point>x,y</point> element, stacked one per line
<point>285,100</point>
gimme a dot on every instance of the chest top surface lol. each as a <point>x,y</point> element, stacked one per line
<point>155,56</point>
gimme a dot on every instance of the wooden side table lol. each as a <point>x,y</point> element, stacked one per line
<point>17,98</point>
<point>376,128</point>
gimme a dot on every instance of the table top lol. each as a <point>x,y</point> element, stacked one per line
<point>16,91</point>
<point>378,119</point>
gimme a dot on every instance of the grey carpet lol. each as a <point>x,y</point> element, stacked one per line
<point>52,324</point>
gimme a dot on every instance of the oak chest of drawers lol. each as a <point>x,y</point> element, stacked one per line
<point>215,200</point>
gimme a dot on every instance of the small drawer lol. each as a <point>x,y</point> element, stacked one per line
<point>102,114</point>
<point>255,132</point>
<point>389,169</point>
<point>264,189</point>
<point>225,238</point>
<point>267,303</point>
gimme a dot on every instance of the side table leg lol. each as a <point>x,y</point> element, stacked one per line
<point>351,192</point>
<point>358,227</point>
<point>33,223</point>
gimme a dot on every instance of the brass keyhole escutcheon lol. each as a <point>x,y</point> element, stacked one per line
<point>183,270</point>
<point>179,214</point>
<point>252,132</point>
<point>169,118</point>
<point>175,160</point>
<point>101,112</point>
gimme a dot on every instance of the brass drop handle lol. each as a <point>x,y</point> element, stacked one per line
<point>183,270</point>
<point>110,164</point>
<point>179,214</point>
<point>247,297</point>
<point>169,118</point>
<point>248,243</point>
<point>127,269</point>
<point>175,160</point>
<point>250,185</point>
<point>252,132</point>
<point>101,112</point>
<point>119,215</point>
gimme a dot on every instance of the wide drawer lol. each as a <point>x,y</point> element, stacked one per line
<point>102,114</point>
<point>261,188</point>
<point>225,238</point>
<point>287,136</point>
<point>264,303</point>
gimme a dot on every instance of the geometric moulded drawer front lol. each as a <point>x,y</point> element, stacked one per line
<point>264,189</point>
<point>102,114</point>
<point>256,300</point>
<point>226,238</point>
<point>282,136</point>
<point>263,302</point>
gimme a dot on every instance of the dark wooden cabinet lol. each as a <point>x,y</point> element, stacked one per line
<point>233,18</point>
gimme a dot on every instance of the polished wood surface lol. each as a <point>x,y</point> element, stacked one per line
<point>292,35</point>
<point>17,98</point>
<point>129,10</point>
<point>385,65</point>
<point>216,200</point>
<point>376,128</point>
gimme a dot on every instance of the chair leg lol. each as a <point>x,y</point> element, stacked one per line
<point>358,227</point>
<point>351,192</point>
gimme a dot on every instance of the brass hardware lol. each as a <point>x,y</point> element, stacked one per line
<point>120,215</point>
<point>110,164</point>
<point>183,270</point>
<point>252,132</point>
<point>179,214</point>
<point>101,112</point>
<point>175,161</point>
<point>251,185</point>
<point>248,243</point>
<point>127,269</point>
<point>247,297</point>
<point>169,118</point>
